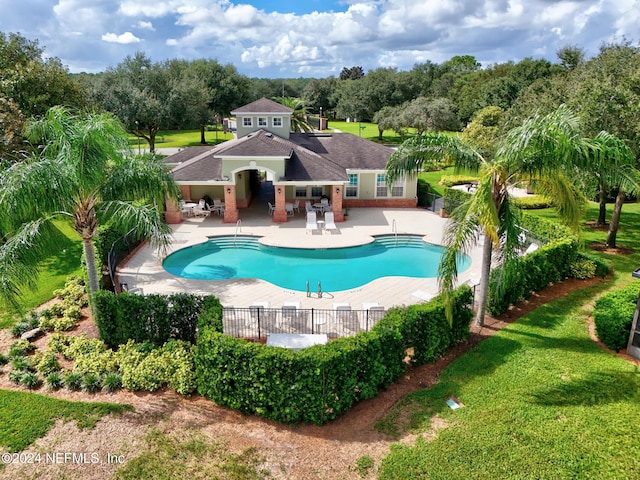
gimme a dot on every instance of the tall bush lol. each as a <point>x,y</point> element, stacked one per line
<point>613,315</point>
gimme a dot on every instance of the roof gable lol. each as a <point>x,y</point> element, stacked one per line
<point>263,106</point>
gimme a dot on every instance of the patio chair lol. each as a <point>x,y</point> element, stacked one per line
<point>329,222</point>
<point>201,210</point>
<point>272,208</point>
<point>296,205</point>
<point>289,208</point>
<point>311,222</point>
<point>218,206</point>
<point>347,318</point>
<point>185,209</point>
<point>308,207</point>
<point>293,318</point>
<point>265,317</point>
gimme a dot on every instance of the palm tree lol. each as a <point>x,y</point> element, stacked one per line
<point>82,171</point>
<point>541,150</point>
<point>300,109</point>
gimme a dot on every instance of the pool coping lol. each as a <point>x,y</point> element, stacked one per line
<point>144,270</point>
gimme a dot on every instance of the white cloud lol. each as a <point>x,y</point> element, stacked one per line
<point>145,26</point>
<point>125,38</point>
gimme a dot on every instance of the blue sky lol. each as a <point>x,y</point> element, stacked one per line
<point>316,38</point>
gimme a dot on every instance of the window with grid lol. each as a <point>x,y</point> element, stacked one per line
<point>276,121</point>
<point>262,121</point>
<point>301,192</point>
<point>317,191</point>
<point>352,187</point>
<point>381,185</point>
<point>246,122</point>
<point>397,189</point>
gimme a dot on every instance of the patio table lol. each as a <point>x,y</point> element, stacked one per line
<point>296,341</point>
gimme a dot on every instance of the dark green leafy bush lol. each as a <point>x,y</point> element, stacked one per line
<point>73,381</point>
<point>148,318</point>
<point>91,383</point>
<point>112,382</point>
<point>613,315</point>
<point>318,384</point>
<point>30,380</point>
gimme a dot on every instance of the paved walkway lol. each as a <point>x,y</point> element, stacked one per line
<point>144,269</point>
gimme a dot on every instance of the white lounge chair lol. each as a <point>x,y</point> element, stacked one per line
<point>312,224</point>
<point>201,210</point>
<point>329,221</point>
<point>272,208</point>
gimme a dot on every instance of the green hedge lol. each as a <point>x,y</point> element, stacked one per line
<point>530,273</point>
<point>150,318</point>
<point>319,383</point>
<point>613,315</point>
<point>453,198</point>
<point>423,193</point>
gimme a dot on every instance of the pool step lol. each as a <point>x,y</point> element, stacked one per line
<point>400,240</point>
<point>249,242</point>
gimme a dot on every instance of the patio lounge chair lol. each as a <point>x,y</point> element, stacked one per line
<point>311,222</point>
<point>347,318</point>
<point>329,222</point>
<point>202,209</point>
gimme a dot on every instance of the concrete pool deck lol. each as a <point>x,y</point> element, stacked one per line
<point>144,269</point>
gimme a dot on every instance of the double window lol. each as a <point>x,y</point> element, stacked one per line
<point>247,122</point>
<point>262,121</point>
<point>276,122</point>
<point>385,190</point>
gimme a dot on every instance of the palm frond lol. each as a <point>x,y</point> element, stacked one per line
<point>145,220</point>
<point>20,255</point>
<point>430,150</point>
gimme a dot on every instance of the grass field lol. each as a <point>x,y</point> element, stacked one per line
<point>25,417</point>
<point>180,138</point>
<point>54,271</point>
<point>541,399</point>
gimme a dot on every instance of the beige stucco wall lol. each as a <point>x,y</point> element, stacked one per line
<point>214,191</point>
<point>280,131</point>
<point>277,165</point>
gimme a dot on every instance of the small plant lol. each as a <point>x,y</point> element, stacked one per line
<point>54,381</point>
<point>364,465</point>
<point>21,348</point>
<point>19,328</point>
<point>47,364</point>
<point>23,364</point>
<point>3,359</point>
<point>112,382</point>
<point>91,383</point>
<point>30,380</point>
<point>15,376</point>
<point>73,381</point>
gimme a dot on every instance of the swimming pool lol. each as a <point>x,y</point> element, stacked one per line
<point>226,257</point>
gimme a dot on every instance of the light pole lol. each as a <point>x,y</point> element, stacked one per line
<point>138,135</point>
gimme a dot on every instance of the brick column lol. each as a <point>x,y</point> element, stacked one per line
<point>336,202</point>
<point>280,214</point>
<point>230,205</point>
<point>186,192</point>
<point>172,213</point>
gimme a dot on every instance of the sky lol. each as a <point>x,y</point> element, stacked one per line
<point>316,38</point>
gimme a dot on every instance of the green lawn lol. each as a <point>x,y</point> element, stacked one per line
<point>181,138</point>
<point>24,417</point>
<point>54,271</point>
<point>541,399</point>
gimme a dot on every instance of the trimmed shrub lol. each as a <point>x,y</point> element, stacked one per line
<point>423,190</point>
<point>148,318</point>
<point>319,383</point>
<point>451,180</point>
<point>47,364</point>
<point>532,202</point>
<point>613,316</point>
<point>91,383</point>
<point>30,380</point>
<point>3,359</point>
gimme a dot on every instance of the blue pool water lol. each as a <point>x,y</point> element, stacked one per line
<point>223,258</point>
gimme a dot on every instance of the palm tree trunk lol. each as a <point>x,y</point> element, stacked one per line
<point>615,220</point>
<point>483,294</point>
<point>203,141</point>
<point>92,270</point>
<point>602,213</point>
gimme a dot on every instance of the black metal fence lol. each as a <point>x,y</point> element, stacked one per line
<point>258,322</point>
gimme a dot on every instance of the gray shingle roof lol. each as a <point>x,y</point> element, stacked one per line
<point>263,105</point>
<point>310,157</point>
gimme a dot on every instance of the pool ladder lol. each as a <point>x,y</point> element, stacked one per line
<point>235,236</point>
<point>394,229</point>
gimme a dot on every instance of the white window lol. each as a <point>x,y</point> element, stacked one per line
<point>276,122</point>
<point>385,190</point>
<point>381,185</point>
<point>352,188</point>
<point>246,122</point>
<point>262,121</point>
